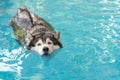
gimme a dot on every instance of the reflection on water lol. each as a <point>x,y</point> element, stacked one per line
<point>11,61</point>
<point>90,33</point>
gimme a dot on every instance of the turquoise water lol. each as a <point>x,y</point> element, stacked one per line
<point>90,33</point>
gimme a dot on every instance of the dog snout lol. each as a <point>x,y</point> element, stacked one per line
<point>46,49</point>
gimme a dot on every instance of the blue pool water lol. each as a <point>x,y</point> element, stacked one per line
<point>90,33</point>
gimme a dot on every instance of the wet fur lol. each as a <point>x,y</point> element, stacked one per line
<point>29,29</point>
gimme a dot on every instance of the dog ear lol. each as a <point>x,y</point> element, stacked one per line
<point>57,35</point>
<point>29,38</point>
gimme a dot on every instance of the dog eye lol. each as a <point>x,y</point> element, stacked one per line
<point>38,44</point>
<point>49,42</point>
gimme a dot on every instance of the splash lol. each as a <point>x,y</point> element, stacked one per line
<point>10,61</point>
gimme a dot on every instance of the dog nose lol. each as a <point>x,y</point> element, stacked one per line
<point>46,49</point>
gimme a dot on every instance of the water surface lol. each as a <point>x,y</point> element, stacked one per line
<point>90,34</point>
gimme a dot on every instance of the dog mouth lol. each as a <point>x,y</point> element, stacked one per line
<point>45,54</point>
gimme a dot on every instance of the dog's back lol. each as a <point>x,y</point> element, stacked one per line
<point>26,20</point>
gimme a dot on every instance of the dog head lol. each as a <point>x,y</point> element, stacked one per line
<point>45,43</point>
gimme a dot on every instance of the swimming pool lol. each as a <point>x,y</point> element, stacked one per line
<point>90,33</point>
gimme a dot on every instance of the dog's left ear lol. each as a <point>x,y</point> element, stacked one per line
<point>57,35</point>
<point>28,39</point>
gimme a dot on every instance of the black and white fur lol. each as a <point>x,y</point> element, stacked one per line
<point>34,32</point>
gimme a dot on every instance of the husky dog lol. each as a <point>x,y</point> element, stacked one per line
<point>35,33</point>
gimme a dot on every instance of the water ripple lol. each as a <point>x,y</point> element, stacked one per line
<point>11,61</point>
